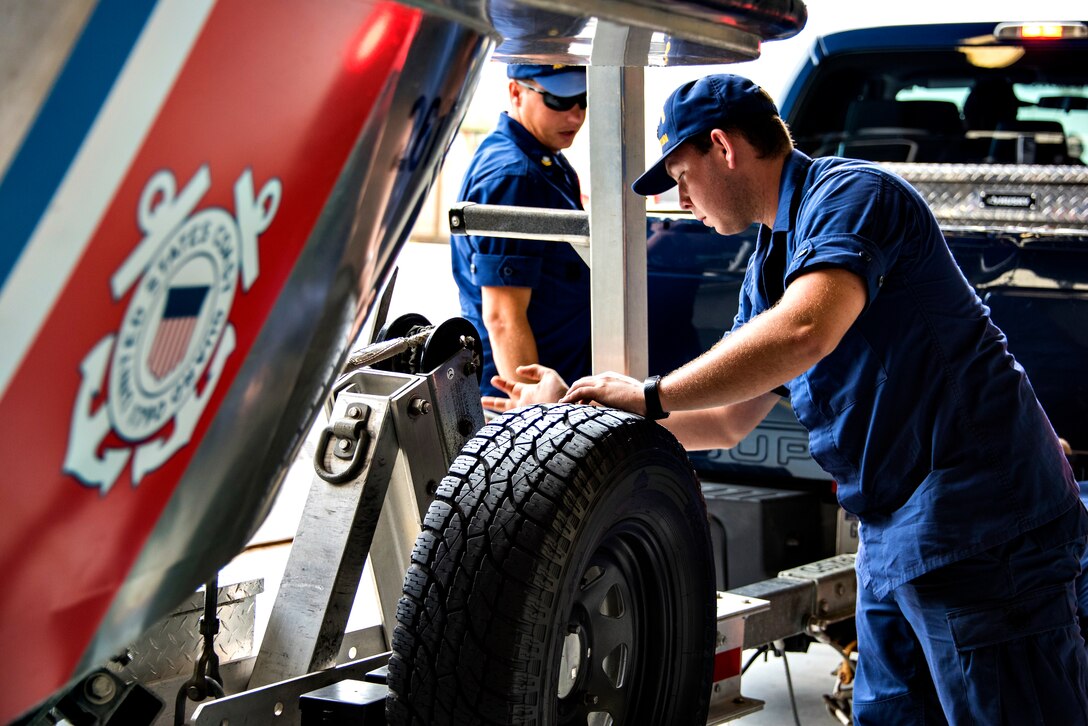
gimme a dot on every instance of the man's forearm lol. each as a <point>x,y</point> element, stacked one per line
<point>722,427</point>
<point>506,317</point>
<point>772,348</point>
<point>512,345</point>
<point>748,363</point>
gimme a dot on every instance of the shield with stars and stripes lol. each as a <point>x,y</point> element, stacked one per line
<point>175,331</point>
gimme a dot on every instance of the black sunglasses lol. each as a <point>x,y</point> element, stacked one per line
<point>558,103</point>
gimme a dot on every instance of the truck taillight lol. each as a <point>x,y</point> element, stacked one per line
<point>1040,31</point>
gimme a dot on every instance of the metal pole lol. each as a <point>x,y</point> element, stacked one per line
<point>617,215</point>
<point>502,220</point>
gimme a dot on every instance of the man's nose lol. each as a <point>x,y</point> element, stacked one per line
<point>685,200</point>
<point>576,113</point>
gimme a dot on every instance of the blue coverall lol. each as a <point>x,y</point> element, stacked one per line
<point>971,527</point>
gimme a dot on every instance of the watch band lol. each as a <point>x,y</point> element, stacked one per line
<point>650,391</point>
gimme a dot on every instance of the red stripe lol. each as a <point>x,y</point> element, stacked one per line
<point>726,664</point>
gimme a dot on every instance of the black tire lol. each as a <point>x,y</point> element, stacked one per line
<point>559,528</point>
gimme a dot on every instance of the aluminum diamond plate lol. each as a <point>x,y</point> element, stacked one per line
<point>1035,197</point>
<point>173,645</point>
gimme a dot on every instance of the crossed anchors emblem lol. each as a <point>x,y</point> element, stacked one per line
<point>176,332</point>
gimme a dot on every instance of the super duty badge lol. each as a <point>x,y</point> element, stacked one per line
<point>1008,200</point>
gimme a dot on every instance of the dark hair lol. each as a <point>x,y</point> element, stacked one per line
<point>768,135</point>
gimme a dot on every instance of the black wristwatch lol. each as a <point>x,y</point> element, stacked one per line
<point>654,412</point>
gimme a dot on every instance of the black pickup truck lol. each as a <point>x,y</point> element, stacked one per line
<point>988,121</point>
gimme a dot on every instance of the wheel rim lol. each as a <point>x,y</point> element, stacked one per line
<point>619,623</point>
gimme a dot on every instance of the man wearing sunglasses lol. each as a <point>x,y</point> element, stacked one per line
<point>528,298</point>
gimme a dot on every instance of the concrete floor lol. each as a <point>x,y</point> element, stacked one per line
<point>811,675</point>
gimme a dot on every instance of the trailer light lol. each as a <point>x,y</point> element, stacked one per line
<point>1040,31</point>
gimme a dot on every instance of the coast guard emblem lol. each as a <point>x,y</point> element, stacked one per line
<point>165,360</point>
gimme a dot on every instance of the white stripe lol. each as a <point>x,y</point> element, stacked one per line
<point>97,170</point>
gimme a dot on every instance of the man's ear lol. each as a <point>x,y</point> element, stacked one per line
<point>515,91</point>
<point>722,143</point>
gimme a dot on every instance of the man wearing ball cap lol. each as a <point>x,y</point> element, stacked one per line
<point>853,309</point>
<point>528,298</point>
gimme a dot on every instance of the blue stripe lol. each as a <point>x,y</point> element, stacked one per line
<point>64,120</point>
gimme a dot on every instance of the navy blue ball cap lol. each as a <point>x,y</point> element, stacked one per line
<point>697,106</point>
<point>558,80</point>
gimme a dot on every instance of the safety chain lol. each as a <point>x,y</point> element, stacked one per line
<point>206,681</point>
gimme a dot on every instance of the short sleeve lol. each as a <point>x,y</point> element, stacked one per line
<point>852,219</point>
<point>502,270</point>
<point>506,261</point>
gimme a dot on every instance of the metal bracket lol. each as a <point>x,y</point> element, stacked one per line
<point>278,703</point>
<point>726,701</point>
<point>398,433</point>
<point>836,587</point>
<point>349,434</point>
<point>334,538</point>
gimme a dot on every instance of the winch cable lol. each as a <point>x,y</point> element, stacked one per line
<point>376,352</point>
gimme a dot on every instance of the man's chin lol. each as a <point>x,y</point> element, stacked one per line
<point>723,229</point>
<point>563,143</point>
